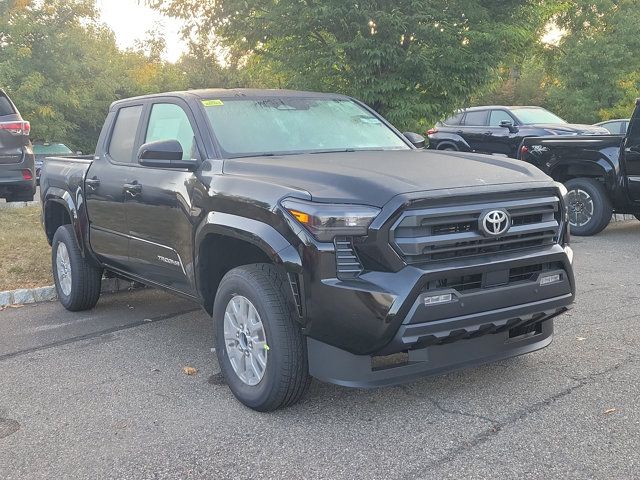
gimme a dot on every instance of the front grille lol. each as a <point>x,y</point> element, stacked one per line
<point>468,283</point>
<point>451,232</point>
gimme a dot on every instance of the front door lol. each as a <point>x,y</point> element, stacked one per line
<point>109,233</point>
<point>160,209</point>
<point>474,129</point>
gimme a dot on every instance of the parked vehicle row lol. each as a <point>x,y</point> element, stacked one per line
<point>501,129</point>
<point>320,239</point>
<point>602,173</point>
<point>17,172</point>
<point>42,150</point>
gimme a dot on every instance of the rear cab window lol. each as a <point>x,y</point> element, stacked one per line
<point>123,135</point>
<point>477,118</point>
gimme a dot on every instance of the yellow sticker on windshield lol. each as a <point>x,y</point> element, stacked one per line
<point>212,103</point>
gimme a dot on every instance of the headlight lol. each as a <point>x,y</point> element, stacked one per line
<point>326,221</point>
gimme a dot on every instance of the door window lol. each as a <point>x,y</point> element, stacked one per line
<point>498,116</point>
<point>613,127</point>
<point>170,122</point>
<point>455,120</point>
<point>476,118</point>
<point>123,137</point>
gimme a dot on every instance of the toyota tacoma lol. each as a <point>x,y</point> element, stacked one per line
<point>602,173</point>
<point>322,241</point>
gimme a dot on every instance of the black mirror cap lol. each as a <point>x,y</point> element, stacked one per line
<point>164,154</point>
<point>507,124</point>
<point>161,150</point>
<point>416,139</point>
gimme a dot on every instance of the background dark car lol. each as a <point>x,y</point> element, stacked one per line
<point>500,130</point>
<point>17,175</point>
<point>616,127</point>
<point>41,150</point>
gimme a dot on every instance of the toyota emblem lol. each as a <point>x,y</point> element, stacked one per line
<point>494,223</point>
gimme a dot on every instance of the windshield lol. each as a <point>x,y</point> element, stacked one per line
<point>51,149</point>
<point>530,116</point>
<point>281,125</point>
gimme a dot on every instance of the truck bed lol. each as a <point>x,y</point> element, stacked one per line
<point>66,173</point>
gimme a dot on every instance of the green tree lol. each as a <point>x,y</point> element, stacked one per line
<point>596,64</point>
<point>62,68</point>
<point>410,59</point>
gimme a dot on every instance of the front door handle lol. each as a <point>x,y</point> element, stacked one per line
<point>134,189</point>
<point>92,183</point>
<point>459,132</point>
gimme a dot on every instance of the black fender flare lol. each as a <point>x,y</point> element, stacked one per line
<point>600,166</point>
<point>279,250</point>
<point>64,198</point>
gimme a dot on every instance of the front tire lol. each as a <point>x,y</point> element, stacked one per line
<point>77,280</point>
<point>260,348</point>
<point>590,209</point>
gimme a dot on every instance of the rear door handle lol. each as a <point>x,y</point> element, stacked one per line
<point>459,132</point>
<point>134,189</point>
<point>488,134</point>
<point>92,183</point>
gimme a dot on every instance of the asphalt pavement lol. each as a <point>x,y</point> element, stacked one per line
<point>102,394</point>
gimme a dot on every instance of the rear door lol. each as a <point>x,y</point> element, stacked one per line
<point>474,128</point>
<point>109,231</point>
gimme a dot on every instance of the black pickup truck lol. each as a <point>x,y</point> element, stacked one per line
<point>321,240</point>
<point>601,173</point>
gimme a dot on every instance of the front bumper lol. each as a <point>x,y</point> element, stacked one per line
<point>351,324</point>
<point>333,365</point>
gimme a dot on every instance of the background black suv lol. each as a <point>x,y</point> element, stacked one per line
<point>500,129</point>
<point>17,175</point>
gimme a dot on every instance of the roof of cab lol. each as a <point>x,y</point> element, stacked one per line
<point>211,93</point>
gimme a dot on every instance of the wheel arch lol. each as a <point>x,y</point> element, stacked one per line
<point>596,169</point>
<point>60,209</point>
<point>225,241</point>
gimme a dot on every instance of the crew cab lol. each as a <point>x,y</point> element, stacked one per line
<point>319,238</point>
<point>602,173</point>
<point>500,129</point>
<point>17,175</point>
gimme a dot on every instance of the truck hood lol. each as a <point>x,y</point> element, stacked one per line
<point>375,177</point>
<point>572,128</point>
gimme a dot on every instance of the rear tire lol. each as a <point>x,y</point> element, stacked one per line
<point>260,348</point>
<point>448,148</point>
<point>590,209</point>
<point>77,280</point>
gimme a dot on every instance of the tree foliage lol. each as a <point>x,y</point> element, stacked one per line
<point>63,68</point>
<point>409,59</point>
<point>592,73</point>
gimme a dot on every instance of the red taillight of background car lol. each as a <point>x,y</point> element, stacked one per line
<point>431,131</point>
<point>26,174</point>
<point>523,151</point>
<point>16,128</point>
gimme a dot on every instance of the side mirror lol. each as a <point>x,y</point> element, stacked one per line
<point>78,152</point>
<point>508,124</point>
<point>163,154</point>
<point>416,139</point>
